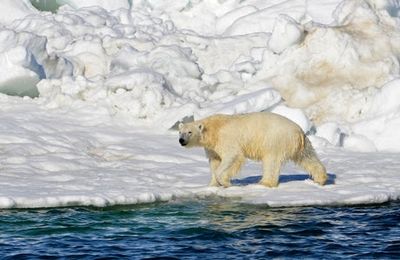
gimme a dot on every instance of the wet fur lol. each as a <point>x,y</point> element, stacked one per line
<point>229,139</point>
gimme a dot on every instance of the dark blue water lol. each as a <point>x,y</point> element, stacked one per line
<point>214,229</point>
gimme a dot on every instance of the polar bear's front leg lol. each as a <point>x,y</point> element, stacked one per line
<point>229,167</point>
<point>214,161</point>
<point>222,175</point>
<point>214,164</point>
<point>271,170</point>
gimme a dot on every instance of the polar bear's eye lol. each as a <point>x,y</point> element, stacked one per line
<point>190,132</point>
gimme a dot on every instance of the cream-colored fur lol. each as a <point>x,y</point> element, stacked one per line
<point>273,139</point>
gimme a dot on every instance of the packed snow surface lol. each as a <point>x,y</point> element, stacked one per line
<point>97,85</point>
<point>68,157</point>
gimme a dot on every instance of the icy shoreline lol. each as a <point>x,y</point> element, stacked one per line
<point>106,82</point>
<point>103,162</point>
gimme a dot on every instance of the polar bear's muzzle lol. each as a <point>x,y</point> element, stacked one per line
<point>182,141</point>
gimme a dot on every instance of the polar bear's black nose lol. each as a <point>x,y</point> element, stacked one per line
<point>182,141</point>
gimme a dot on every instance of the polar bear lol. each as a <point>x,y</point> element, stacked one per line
<point>273,139</point>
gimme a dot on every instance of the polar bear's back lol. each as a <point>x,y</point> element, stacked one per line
<point>254,122</point>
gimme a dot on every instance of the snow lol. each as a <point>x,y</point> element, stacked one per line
<point>109,5</point>
<point>294,114</point>
<point>12,10</point>
<point>91,91</point>
<point>286,33</point>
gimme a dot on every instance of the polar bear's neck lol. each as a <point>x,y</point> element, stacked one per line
<point>210,134</point>
<point>208,139</point>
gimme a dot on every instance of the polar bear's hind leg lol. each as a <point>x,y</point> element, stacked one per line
<point>308,160</point>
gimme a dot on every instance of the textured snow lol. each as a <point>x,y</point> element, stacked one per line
<point>109,5</point>
<point>97,85</point>
<point>12,10</point>
<point>157,63</point>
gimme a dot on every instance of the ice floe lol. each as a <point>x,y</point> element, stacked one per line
<point>99,83</point>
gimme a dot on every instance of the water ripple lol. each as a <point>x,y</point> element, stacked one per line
<point>201,229</point>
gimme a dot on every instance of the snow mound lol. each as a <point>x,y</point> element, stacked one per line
<point>336,63</point>
<point>24,63</point>
<point>263,20</point>
<point>286,33</point>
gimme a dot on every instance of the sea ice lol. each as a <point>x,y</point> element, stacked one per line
<point>111,77</point>
<point>64,157</point>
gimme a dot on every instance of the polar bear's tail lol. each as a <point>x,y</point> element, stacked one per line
<point>310,162</point>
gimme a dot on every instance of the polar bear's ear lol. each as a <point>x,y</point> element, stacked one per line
<point>201,127</point>
<point>180,125</point>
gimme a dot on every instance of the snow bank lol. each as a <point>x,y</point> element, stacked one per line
<point>329,66</point>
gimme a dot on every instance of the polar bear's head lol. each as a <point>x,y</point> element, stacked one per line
<point>190,133</point>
